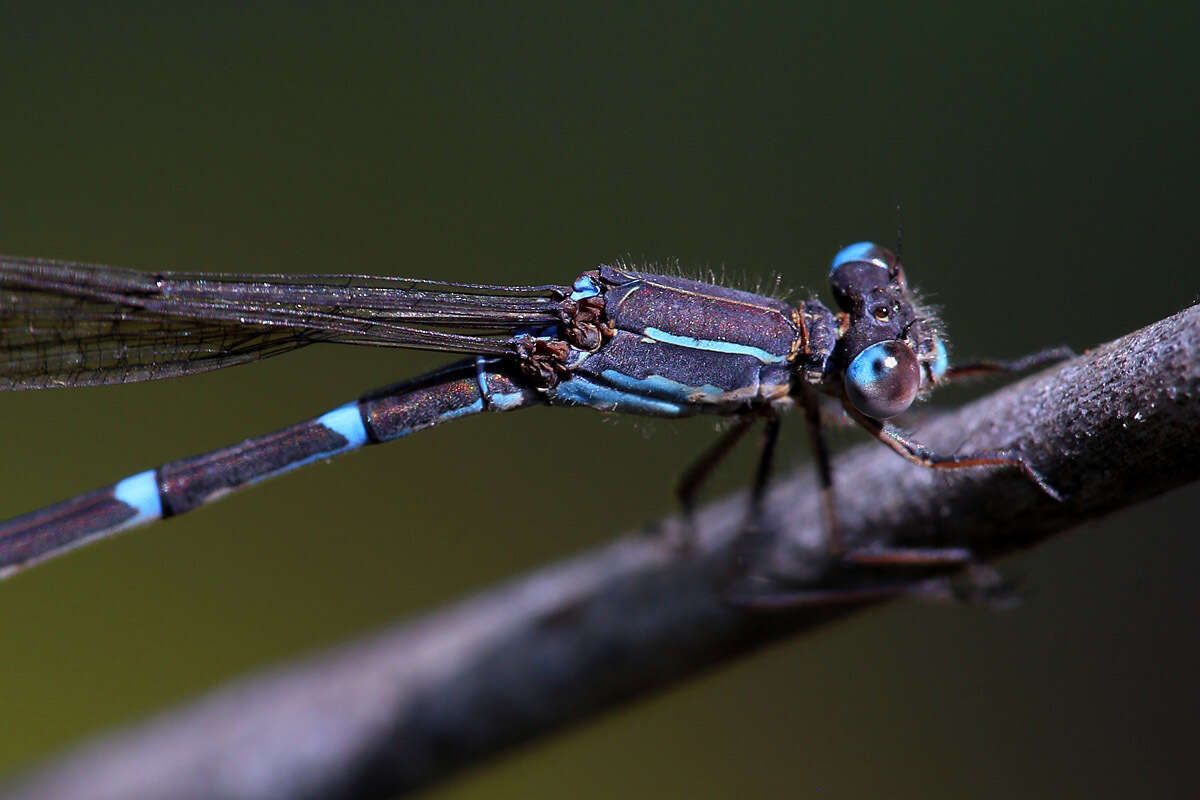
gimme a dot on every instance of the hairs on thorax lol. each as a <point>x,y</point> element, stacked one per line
<point>772,286</point>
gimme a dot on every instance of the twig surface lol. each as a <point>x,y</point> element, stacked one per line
<point>430,697</point>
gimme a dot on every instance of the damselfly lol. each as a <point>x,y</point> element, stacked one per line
<point>615,340</point>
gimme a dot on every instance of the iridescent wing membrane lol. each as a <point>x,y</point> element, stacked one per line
<point>614,340</point>
<point>64,324</point>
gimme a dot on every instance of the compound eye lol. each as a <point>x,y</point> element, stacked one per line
<point>864,251</point>
<point>883,380</point>
<point>941,360</point>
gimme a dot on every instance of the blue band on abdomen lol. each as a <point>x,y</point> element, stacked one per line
<point>346,421</point>
<point>140,492</point>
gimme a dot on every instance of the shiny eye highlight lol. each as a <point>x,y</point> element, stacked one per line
<point>883,380</point>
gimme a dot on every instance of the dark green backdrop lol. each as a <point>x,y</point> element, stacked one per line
<point>1046,159</point>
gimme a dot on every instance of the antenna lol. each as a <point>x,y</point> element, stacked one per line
<point>895,270</point>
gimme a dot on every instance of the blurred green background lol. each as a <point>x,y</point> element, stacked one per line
<point>1046,157</point>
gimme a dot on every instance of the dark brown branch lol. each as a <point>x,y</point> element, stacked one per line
<point>425,699</point>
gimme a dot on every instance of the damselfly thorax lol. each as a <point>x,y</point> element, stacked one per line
<point>616,340</point>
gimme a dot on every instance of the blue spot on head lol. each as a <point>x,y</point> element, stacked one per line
<point>941,360</point>
<point>859,251</point>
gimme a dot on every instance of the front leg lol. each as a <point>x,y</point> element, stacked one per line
<point>970,582</point>
<point>750,541</point>
<point>871,556</point>
<point>696,475</point>
<point>816,440</point>
<point>918,453</point>
<point>700,470</point>
<point>874,564</point>
<point>974,369</point>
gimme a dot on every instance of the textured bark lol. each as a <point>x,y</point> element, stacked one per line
<point>430,697</point>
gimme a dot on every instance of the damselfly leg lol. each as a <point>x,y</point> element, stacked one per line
<point>616,340</point>
<point>886,570</point>
<point>975,369</point>
<point>700,470</point>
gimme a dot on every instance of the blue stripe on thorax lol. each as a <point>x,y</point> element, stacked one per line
<point>656,386</point>
<point>581,391</point>
<point>714,346</point>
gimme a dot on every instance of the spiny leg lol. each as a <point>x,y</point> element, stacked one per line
<point>700,470</point>
<point>698,473</point>
<point>917,453</point>
<point>816,439</point>
<point>984,583</point>
<point>868,556</point>
<point>762,596</point>
<point>977,368</point>
<point>747,545</point>
<point>977,584</point>
<point>766,461</point>
<point>754,599</point>
<point>756,593</point>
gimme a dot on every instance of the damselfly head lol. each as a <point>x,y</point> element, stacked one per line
<point>889,347</point>
<point>863,253</point>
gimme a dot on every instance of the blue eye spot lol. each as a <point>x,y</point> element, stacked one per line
<point>941,361</point>
<point>859,251</point>
<point>883,380</point>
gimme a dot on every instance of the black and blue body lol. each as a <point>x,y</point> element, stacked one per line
<point>615,340</point>
<point>677,347</point>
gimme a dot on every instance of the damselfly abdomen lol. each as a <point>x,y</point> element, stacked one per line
<point>615,340</point>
